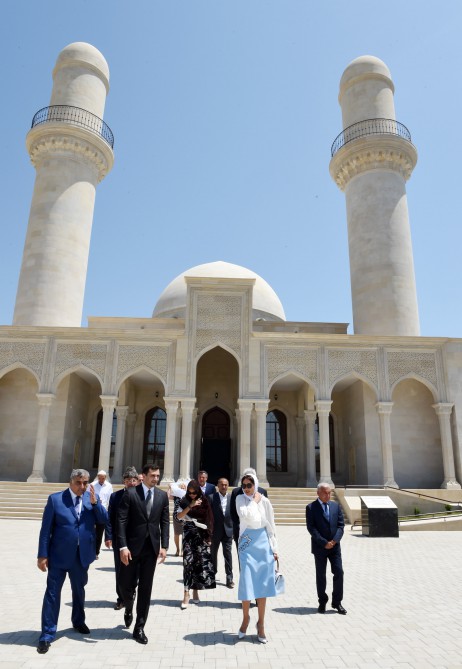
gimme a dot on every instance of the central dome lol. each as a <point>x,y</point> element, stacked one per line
<point>265,304</point>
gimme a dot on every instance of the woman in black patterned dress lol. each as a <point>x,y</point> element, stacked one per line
<point>195,512</point>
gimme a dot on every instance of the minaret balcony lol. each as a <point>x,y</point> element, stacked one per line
<point>371,126</point>
<point>77,117</point>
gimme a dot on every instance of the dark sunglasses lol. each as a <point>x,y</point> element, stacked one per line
<point>247,486</point>
<point>191,492</point>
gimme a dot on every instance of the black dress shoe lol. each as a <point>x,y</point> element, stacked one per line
<point>322,608</point>
<point>140,636</point>
<point>128,618</point>
<point>230,584</point>
<point>118,606</point>
<point>43,647</point>
<point>340,609</point>
<point>83,629</point>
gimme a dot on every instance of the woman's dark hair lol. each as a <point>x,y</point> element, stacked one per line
<point>249,477</point>
<point>194,486</point>
<point>202,513</point>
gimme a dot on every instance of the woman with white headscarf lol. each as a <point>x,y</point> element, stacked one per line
<point>257,549</point>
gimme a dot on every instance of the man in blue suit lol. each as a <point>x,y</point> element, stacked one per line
<point>67,546</point>
<point>324,520</point>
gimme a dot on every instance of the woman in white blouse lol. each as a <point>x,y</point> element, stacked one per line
<point>257,553</point>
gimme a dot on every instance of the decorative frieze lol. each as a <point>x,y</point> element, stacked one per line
<point>92,356</point>
<point>404,363</point>
<point>295,358</point>
<point>29,354</point>
<point>153,357</point>
<point>218,319</point>
<point>347,361</point>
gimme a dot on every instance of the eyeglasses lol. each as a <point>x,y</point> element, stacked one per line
<point>191,492</point>
<point>246,486</point>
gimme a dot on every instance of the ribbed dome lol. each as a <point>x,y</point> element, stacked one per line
<point>266,304</point>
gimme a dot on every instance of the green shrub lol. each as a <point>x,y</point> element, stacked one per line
<point>416,511</point>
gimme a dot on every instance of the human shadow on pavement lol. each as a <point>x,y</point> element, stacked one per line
<point>298,610</point>
<point>20,638</point>
<point>217,638</point>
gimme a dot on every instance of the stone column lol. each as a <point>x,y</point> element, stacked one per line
<point>384,411</point>
<point>171,408</point>
<point>131,421</point>
<point>301,450</point>
<point>245,411</point>
<point>187,410</point>
<point>261,408</point>
<point>71,150</point>
<point>443,411</point>
<point>122,413</point>
<point>372,160</point>
<point>108,402</point>
<point>323,411</point>
<point>45,401</point>
<point>310,473</point>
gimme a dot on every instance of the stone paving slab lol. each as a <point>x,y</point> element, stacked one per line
<point>403,596</point>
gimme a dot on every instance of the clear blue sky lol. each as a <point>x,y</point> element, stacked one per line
<point>223,114</point>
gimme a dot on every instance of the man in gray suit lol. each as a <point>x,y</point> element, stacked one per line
<point>222,528</point>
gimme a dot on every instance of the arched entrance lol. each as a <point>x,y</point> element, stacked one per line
<point>216,444</point>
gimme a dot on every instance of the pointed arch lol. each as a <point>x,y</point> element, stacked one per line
<point>19,365</point>
<point>76,369</point>
<point>137,370</point>
<point>420,379</point>
<point>353,374</point>
<point>298,375</point>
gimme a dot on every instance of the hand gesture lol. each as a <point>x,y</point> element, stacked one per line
<point>257,497</point>
<point>93,498</point>
<point>196,502</point>
<point>162,555</point>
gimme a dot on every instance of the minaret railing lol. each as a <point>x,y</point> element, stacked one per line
<point>74,116</point>
<point>371,126</point>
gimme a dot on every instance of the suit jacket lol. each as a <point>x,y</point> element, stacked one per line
<point>133,524</point>
<point>209,489</point>
<point>113,509</point>
<point>222,522</point>
<point>63,534</point>
<point>323,530</point>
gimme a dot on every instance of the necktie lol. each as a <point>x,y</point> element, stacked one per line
<point>326,510</point>
<point>77,506</point>
<point>149,502</point>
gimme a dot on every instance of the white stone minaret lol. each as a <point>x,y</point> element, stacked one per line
<point>71,149</point>
<point>372,160</point>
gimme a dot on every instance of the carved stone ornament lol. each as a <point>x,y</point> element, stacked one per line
<point>343,362</point>
<point>384,152</point>
<point>92,356</point>
<point>132,357</point>
<point>218,320</point>
<point>403,363</point>
<point>29,354</point>
<point>296,358</point>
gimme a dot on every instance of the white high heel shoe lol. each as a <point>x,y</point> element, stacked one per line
<point>261,639</point>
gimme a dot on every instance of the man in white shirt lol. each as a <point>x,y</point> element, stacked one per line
<point>104,491</point>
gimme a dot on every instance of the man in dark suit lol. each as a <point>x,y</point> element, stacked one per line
<point>143,532</point>
<point>238,491</point>
<point>67,546</point>
<point>324,520</point>
<point>130,479</point>
<point>207,488</point>
<point>222,529</point>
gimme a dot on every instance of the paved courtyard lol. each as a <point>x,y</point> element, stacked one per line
<point>403,596</point>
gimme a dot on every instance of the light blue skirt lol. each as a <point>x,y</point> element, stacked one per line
<point>257,564</point>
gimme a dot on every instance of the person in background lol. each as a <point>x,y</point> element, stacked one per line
<point>325,523</point>
<point>207,488</point>
<point>257,553</point>
<point>196,515</point>
<point>130,478</point>
<point>177,491</point>
<point>104,490</point>
<point>222,529</point>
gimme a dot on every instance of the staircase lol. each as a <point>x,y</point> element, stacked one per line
<point>26,501</point>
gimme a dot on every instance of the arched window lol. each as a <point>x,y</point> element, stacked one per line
<point>331,442</point>
<point>276,441</point>
<point>154,437</point>
<point>99,425</point>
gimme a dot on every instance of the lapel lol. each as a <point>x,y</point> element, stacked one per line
<point>142,502</point>
<point>67,501</point>
<point>228,502</point>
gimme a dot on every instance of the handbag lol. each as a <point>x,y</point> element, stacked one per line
<point>279,580</point>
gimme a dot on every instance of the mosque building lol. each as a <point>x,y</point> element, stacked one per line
<point>217,378</point>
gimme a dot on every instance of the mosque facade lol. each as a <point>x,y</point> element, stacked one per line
<point>217,378</point>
